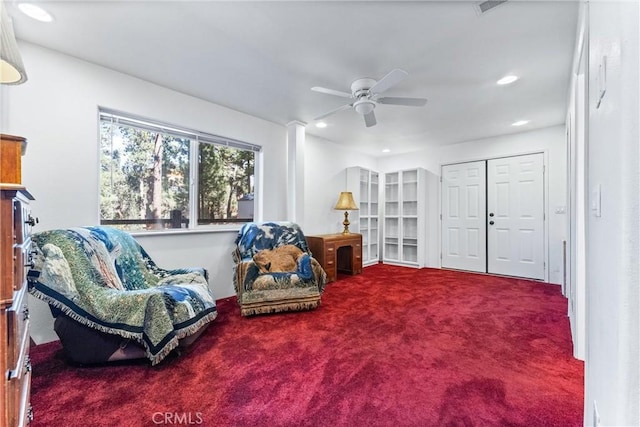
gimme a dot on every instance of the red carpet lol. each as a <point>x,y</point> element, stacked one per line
<point>391,347</point>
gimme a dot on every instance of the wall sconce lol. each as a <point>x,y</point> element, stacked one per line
<point>346,204</point>
<point>12,70</point>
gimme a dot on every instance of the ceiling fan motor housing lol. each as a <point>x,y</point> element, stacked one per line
<point>360,87</point>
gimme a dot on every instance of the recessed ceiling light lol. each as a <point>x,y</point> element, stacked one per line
<point>520,123</point>
<point>507,80</point>
<point>321,125</point>
<point>386,150</point>
<point>35,12</point>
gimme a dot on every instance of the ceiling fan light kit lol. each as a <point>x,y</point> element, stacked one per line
<point>364,106</point>
<point>366,95</point>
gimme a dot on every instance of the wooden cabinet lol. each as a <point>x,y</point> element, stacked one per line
<point>405,218</point>
<point>12,148</point>
<point>337,253</point>
<point>15,258</point>
<point>364,184</point>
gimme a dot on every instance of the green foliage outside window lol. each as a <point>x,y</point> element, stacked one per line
<point>225,178</point>
<point>145,180</point>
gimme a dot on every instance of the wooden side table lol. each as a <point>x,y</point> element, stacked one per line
<point>337,253</point>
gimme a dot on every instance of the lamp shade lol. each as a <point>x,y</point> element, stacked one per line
<point>11,67</point>
<point>346,202</point>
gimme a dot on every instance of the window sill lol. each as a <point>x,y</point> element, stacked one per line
<point>201,230</point>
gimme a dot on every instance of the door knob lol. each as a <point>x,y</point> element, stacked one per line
<point>490,222</point>
<point>491,214</point>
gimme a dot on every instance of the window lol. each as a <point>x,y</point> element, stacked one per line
<point>155,176</point>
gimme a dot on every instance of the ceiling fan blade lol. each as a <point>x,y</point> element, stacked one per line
<point>331,91</point>
<point>343,107</point>
<point>370,119</point>
<point>394,77</point>
<point>410,102</point>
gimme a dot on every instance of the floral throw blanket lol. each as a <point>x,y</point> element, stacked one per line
<point>104,279</point>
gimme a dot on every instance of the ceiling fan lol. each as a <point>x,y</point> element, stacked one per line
<point>365,94</point>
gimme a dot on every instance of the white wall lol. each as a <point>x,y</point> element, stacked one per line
<point>325,177</point>
<point>550,140</point>
<point>427,159</point>
<point>613,239</point>
<point>56,110</point>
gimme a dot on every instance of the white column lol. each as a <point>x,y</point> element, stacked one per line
<point>295,172</point>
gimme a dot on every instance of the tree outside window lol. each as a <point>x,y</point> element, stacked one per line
<point>145,176</point>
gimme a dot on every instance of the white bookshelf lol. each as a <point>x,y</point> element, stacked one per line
<point>404,213</point>
<point>365,186</point>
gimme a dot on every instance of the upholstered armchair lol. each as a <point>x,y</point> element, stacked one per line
<point>274,270</point>
<point>111,301</point>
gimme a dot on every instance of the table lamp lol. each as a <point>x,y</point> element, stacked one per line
<point>346,204</point>
<point>11,66</point>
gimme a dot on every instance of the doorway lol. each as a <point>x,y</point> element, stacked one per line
<point>493,216</point>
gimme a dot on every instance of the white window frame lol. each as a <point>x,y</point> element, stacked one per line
<point>196,137</point>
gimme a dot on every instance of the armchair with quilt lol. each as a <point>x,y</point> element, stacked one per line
<point>274,270</point>
<point>111,301</point>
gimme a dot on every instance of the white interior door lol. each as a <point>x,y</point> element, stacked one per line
<point>515,205</point>
<point>464,230</point>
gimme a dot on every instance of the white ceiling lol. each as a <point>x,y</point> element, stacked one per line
<point>262,58</point>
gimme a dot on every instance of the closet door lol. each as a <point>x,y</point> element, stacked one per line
<point>515,206</point>
<point>464,222</point>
